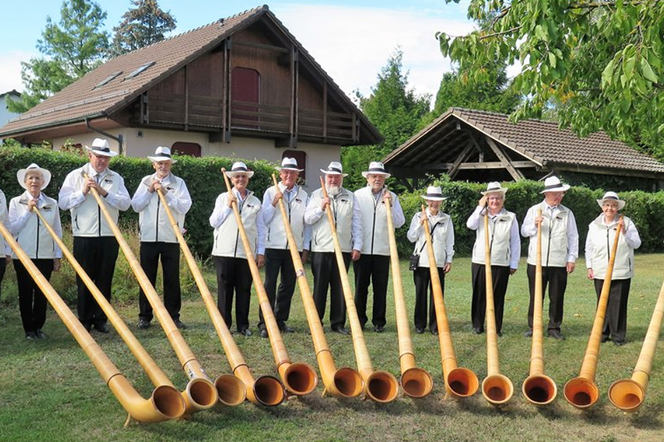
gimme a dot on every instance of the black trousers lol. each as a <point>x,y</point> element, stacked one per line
<point>97,256</point>
<point>373,269</point>
<point>500,276</point>
<point>31,300</point>
<point>277,260</point>
<point>3,265</point>
<point>556,278</point>
<point>615,318</point>
<point>170,267</point>
<point>233,274</point>
<point>326,274</point>
<point>422,279</point>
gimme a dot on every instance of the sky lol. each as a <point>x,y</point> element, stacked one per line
<point>351,39</point>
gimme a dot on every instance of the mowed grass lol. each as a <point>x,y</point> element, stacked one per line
<point>50,391</point>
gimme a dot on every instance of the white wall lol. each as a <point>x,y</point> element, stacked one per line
<point>5,115</point>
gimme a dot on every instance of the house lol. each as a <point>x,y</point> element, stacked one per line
<point>5,115</point>
<point>485,146</point>
<point>241,87</point>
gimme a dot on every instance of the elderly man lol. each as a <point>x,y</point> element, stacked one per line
<point>157,236</point>
<point>374,264</point>
<point>95,247</point>
<point>560,248</point>
<point>348,223</point>
<point>277,253</point>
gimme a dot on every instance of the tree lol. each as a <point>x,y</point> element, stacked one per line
<point>396,111</point>
<point>599,62</point>
<point>71,48</point>
<point>141,26</point>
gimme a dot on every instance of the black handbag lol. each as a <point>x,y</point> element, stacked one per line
<point>414,261</point>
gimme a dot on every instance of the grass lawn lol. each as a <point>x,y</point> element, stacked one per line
<point>49,390</point>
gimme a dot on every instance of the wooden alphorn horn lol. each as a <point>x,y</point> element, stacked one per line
<point>416,382</point>
<point>345,382</point>
<point>538,388</point>
<point>201,393</point>
<point>165,402</point>
<point>156,375</point>
<point>266,390</point>
<point>628,394</point>
<point>300,379</point>
<point>459,382</point>
<point>379,386</point>
<point>582,392</point>
<point>496,388</point>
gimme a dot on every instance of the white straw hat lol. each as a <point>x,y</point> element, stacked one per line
<point>101,147</point>
<point>238,168</point>
<point>289,164</point>
<point>494,187</point>
<point>334,168</point>
<point>611,196</point>
<point>162,153</point>
<point>553,184</point>
<point>20,175</point>
<point>434,193</point>
<point>376,168</point>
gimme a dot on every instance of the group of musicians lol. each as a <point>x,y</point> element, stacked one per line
<point>360,220</point>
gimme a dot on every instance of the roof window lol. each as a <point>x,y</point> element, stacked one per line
<point>139,70</point>
<point>108,79</point>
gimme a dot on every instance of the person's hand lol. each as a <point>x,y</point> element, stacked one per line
<point>155,186</point>
<point>231,199</point>
<point>260,260</point>
<point>483,201</point>
<point>538,221</point>
<point>56,264</point>
<point>387,197</point>
<point>355,255</point>
<point>90,183</point>
<point>32,204</point>
<point>305,256</point>
<point>512,271</point>
<point>570,267</point>
<point>447,267</point>
<point>325,202</point>
<point>591,274</point>
<point>277,196</point>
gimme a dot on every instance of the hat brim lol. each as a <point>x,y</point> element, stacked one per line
<point>367,173</point>
<point>157,159</point>
<point>327,172</point>
<point>561,188</point>
<point>434,198</point>
<point>501,190</point>
<point>110,153</point>
<point>289,168</point>
<point>231,174</point>
<point>20,176</point>
<point>621,203</point>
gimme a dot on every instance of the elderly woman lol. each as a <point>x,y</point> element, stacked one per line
<point>233,273</point>
<point>505,246</point>
<point>442,239</point>
<point>37,242</point>
<point>601,234</point>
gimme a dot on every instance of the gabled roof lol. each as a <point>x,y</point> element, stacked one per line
<point>540,141</point>
<point>82,100</point>
<point>12,92</point>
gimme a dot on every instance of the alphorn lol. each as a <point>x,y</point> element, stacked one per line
<point>299,378</point>
<point>379,386</point>
<point>156,375</point>
<point>582,391</point>
<point>629,394</point>
<point>266,390</point>
<point>459,382</point>
<point>344,382</point>
<point>201,393</point>
<point>538,388</point>
<point>496,388</point>
<point>165,402</point>
<point>416,382</point>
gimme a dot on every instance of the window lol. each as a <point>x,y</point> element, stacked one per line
<point>139,70</point>
<point>245,90</point>
<point>301,158</point>
<point>184,148</point>
<point>108,79</point>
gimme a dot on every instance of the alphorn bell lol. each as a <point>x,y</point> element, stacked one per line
<point>266,390</point>
<point>628,394</point>
<point>300,379</point>
<point>416,382</point>
<point>496,388</point>
<point>165,402</point>
<point>379,386</point>
<point>201,393</point>
<point>156,375</point>
<point>459,382</point>
<point>345,382</point>
<point>582,392</point>
<point>538,388</point>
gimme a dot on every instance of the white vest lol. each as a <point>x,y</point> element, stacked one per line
<point>342,211</point>
<point>602,238</point>
<point>227,240</point>
<point>442,223</point>
<point>34,238</point>
<point>276,232</point>
<point>3,218</point>
<point>499,239</point>
<point>153,221</point>
<point>554,238</point>
<point>374,220</point>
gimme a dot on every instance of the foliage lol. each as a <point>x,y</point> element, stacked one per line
<point>71,48</point>
<point>141,26</point>
<point>599,63</point>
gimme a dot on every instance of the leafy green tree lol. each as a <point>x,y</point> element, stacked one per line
<point>599,62</point>
<point>141,26</point>
<point>71,48</point>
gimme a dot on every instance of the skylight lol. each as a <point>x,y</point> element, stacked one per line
<point>139,70</point>
<point>108,79</point>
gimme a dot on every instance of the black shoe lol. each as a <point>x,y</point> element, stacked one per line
<point>419,330</point>
<point>263,333</point>
<point>179,324</point>
<point>528,334</point>
<point>143,324</point>
<point>31,335</point>
<point>478,331</point>
<point>500,334</point>
<point>379,328</point>
<point>102,328</point>
<point>555,334</point>
<point>340,330</point>
<point>287,329</point>
<point>434,332</point>
<point>619,343</point>
<point>605,338</point>
<point>245,331</point>
<point>40,334</point>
